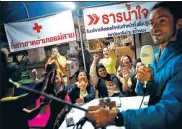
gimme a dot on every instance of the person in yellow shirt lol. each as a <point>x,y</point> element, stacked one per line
<point>109,60</point>
<point>59,60</point>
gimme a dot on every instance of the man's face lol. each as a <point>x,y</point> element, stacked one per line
<point>54,52</point>
<point>162,27</point>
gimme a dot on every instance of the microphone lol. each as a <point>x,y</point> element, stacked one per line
<point>18,85</point>
<point>147,56</point>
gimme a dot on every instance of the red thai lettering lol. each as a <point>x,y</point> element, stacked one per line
<point>127,18</point>
<point>105,19</point>
<point>56,38</point>
<point>43,40</point>
<point>128,6</point>
<point>51,39</point>
<point>32,43</point>
<point>145,12</point>
<point>138,7</point>
<point>71,35</point>
<point>113,17</point>
<point>26,43</point>
<point>119,17</point>
<point>63,36</point>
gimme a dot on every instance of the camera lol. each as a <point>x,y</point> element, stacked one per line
<point>50,67</point>
<point>107,103</point>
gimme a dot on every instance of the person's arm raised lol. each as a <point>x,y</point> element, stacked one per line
<point>93,72</point>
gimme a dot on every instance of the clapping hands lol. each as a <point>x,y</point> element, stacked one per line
<point>80,100</point>
<point>82,85</point>
<point>126,73</point>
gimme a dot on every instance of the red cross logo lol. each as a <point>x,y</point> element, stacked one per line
<point>37,27</point>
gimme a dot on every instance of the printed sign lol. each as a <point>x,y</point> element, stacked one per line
<point>115,20</point>
<point>50,30</point>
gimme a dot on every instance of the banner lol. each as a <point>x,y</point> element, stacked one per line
<point>115,20</point>
<point>50,30</point>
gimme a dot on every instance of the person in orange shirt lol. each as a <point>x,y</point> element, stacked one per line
<point>59,60</point>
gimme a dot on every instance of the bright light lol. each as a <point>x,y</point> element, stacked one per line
<point>70,5</point>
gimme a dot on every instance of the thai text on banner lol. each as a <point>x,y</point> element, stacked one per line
<point>49,30</point>
<point>115,20</point>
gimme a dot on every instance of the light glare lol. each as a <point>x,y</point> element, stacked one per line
<point>70,5</point>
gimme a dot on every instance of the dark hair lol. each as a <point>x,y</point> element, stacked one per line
<point>100,65</point>
<point>3,57</point>
<point>82,70</point>
<point>55,46</point>
<point>175,8</point>
<point>128,58</point>
<point>3,75</point>
<point>138,60</point>
<point>179,34</point>
<point>104,48</point>
<point>79,43</point>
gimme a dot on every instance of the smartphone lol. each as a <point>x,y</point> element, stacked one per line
<point>69,122</point>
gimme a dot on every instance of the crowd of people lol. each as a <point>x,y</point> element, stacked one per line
<point>103,79</point>
<point>164,78</point>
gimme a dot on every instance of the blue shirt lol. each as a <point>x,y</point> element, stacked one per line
<point>167,83</point>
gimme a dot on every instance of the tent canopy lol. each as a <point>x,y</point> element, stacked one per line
<point>13,11</point>
<point>18,10</point>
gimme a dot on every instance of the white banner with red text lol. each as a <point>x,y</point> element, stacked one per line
<point>115,20</point>
<point>49,30</point>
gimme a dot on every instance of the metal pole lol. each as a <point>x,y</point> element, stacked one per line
<point>135,46</point>
<point>81,40</point>
<point>18,85</point>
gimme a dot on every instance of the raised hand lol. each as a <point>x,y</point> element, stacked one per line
<point>82,85</point>
<point>34,71</point>
<point>96,57</point>
<point>58,55</point>
<point>53,55</point>
<point>125,73</point>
